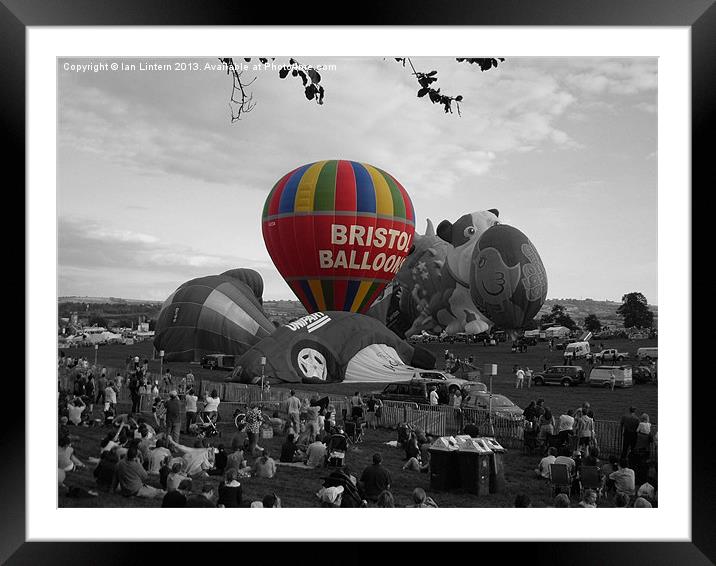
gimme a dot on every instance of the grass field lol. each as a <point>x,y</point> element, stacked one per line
<point>607,404</point>
<point>297,487</point>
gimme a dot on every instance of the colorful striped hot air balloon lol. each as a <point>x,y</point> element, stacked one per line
<point>338,232</point>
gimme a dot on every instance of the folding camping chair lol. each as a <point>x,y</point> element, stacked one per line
<point>559,477</point>
<point>355,430</point>
<point>590,478</point>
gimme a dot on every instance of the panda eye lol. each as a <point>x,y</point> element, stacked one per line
<point>481,262</point>
<point>469,231</point>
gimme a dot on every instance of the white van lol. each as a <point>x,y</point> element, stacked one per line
<point>577,350</point>
<point>647,353</point>
<point>602,376</point>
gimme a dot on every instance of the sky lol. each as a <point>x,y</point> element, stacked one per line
<point>156,185</point>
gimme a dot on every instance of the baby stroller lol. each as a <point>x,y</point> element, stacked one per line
<point>205,425</point>
<point>336,450</point>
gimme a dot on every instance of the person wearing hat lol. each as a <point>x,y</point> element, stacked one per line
<point>330,496</point>
<point>173,415</point>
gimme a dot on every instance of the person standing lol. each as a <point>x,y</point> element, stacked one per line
<point>528,377</point>
<point>520,375</point>
<point>173,415</point>
<point>629,424</point>
<point>433,395</point>
<point>191,400</point>
<point>565,427</point>
<point>612,380</point>
<point>189,380</point>
<point>294,412</point>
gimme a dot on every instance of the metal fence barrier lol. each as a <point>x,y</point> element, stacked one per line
<point>437,420</point>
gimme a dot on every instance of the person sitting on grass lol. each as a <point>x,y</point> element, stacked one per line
<point>421,499</point>
<point>264,466</point>
<point>290,451</point>
<point>67,460</point>
<point>177,497</point>
<point>130,476</point>
<point>375,479</point>
<point>315,454</point>
<point>230,490</point>
<point>522,500</point>
<point>621,500</point>
<point>236,461</point>
<point>330,496</point>
<point>561,500</point>
<point>104,472</point>
<point>203,499</point>
<point>589,500</point>
<point>175,477</point>
<point>220,462</point>
<point>385,499</point>
<point>542,470</point>
<point>157,456</point>
<point>641,502</point>
<point>75,409</point>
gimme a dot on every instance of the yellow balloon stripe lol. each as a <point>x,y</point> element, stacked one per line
<point>383,196</point>
<point>307,188</point>
<point>363,288</point>
<point>317,289</point>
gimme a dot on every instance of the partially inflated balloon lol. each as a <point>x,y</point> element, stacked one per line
<point>214,314</point>
<point>508,282</point>
<point>338,231</point>
<point>252,278</point>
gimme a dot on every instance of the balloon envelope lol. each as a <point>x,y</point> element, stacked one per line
<point>252,278</point>
<point>508,282</point>
<point>319,348</point>
<point>338,232</point>
<point>213,314</point>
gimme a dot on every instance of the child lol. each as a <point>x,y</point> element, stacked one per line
<point>175,477</point>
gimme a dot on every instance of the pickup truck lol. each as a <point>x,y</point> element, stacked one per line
<point>608,355</point>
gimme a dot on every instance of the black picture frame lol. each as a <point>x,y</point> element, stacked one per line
<point>698,15</point>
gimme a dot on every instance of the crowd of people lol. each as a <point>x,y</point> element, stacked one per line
<point>146,457</point>
<point>571,441</point>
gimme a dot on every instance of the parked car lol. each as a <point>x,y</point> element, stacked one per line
<point>218,361</point>
<point>641,374</point>
<point>647,353</point>
<point>417,390</point>
<point>566,376</point>
<point>608,355</point>
<point>501,405</point>
<point>602,376</point>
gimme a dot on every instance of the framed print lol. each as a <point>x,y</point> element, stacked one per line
<point>431,260</point>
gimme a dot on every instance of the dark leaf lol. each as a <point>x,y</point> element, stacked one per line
<point>247,59</point>
<point>283,73</point>
<point>304,78</point>
<point>263,60</point>
<point>432,73</point>
<point>310,92</point>
<point>315,77</point>
<point>294,73</point>
<point>459,98</point>
<point>422,92</point>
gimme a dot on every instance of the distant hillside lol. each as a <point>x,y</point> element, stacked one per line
<point>605,311</point>
<point>284,310</point>
<point>106,300</point>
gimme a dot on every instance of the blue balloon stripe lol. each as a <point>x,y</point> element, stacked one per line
<point>365,191</point>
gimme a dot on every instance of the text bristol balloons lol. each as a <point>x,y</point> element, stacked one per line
<point>338,232</point>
